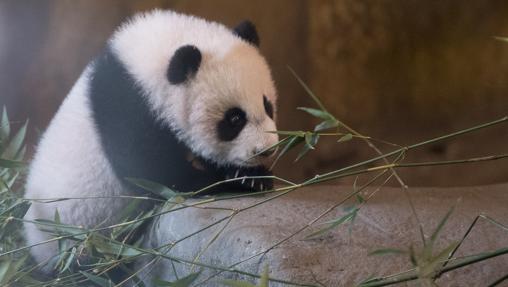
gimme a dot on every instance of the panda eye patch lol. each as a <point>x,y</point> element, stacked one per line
<point>231,124</point>
<point>268,107</point>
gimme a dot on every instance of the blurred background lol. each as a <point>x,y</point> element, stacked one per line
<point>400,70</point>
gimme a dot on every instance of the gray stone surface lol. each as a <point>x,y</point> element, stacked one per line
<point>339,258</point>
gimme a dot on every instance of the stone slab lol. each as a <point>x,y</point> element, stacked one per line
<point>340,257</point>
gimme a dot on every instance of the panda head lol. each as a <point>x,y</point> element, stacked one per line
<point>208,83</point>
<point>227,104</point>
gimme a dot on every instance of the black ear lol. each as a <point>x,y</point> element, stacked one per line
<point>184,64</point>
<point>247,31</point>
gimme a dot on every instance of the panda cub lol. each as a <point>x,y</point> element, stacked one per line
<point>173,99</point>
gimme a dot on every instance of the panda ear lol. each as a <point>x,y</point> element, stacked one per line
<point>247,31</point>
<point>184,64</point>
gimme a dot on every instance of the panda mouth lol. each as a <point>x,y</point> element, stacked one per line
<point>256,178</point>
<point>251,178</point>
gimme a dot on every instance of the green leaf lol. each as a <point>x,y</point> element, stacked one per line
<point>130,210</point>
<point>443,255</point>
<point>328,124</point>
<point>69,260</point>
<point>57,217</point>
<point>113,248</point>
<point>6,271</point>
<point>263,281</point>
<point>292,142</point>
<point>10,267</point>
<point>6,163</point>
<point>97,280</point>
<point>273,147</point>
<point>156,188</point>
<point>333,223</point>
<point>310,142</point>
<point>441,224</point>
<point>345,138</point>
<point>60,229</point>
<point>183,282</point>
<point>16,143</point>
<point>289,133</point>
<point>369,280</point>
<point>428,270</point>
<point>21,154</point>
<point>5,127</point>
<point>317,113</point>
<point>386,251</point>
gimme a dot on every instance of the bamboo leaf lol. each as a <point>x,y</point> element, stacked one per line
<point>7,163</point>
<point>273,147</point>
<point>5,127</point>
<point>60,229</point>
<point>57,217</point>
<point>387,251</point>
<point>6,271</point>
<point>289,133</point>
<point>430,269</point>
<point>371,279</point>
<point>441,224</point>
<point>156,188</point>
<point>69,260</point>
<point>21,154</point>
<point>10,267</point>
<point>263,281</point>
<point>328,124</point>
<point>310,142</point>
<point>113,248</point>
<point>16,143</point>
<point>292,142</point>
<point>345,138</point>
<point>333,223</point>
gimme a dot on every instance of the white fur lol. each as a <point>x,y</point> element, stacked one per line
<point>232,73</point>
<point>70,161</point>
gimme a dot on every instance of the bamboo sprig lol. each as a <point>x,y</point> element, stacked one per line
<point>356,169</point>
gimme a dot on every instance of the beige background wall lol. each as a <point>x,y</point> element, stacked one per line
<point>397,70</point>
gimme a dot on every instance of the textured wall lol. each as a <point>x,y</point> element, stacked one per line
<point>397,70</point>
<point>407,70</point>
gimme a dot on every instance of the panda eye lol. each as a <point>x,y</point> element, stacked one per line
<point>231,124</point>
<point>268,107</point>
<point>235,119</point>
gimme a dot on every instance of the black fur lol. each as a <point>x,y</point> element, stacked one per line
<point>247,31</point>
<point>268,107</point>
<point>232,124</point>
<point>184,64</point>
<point>138,145</point>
